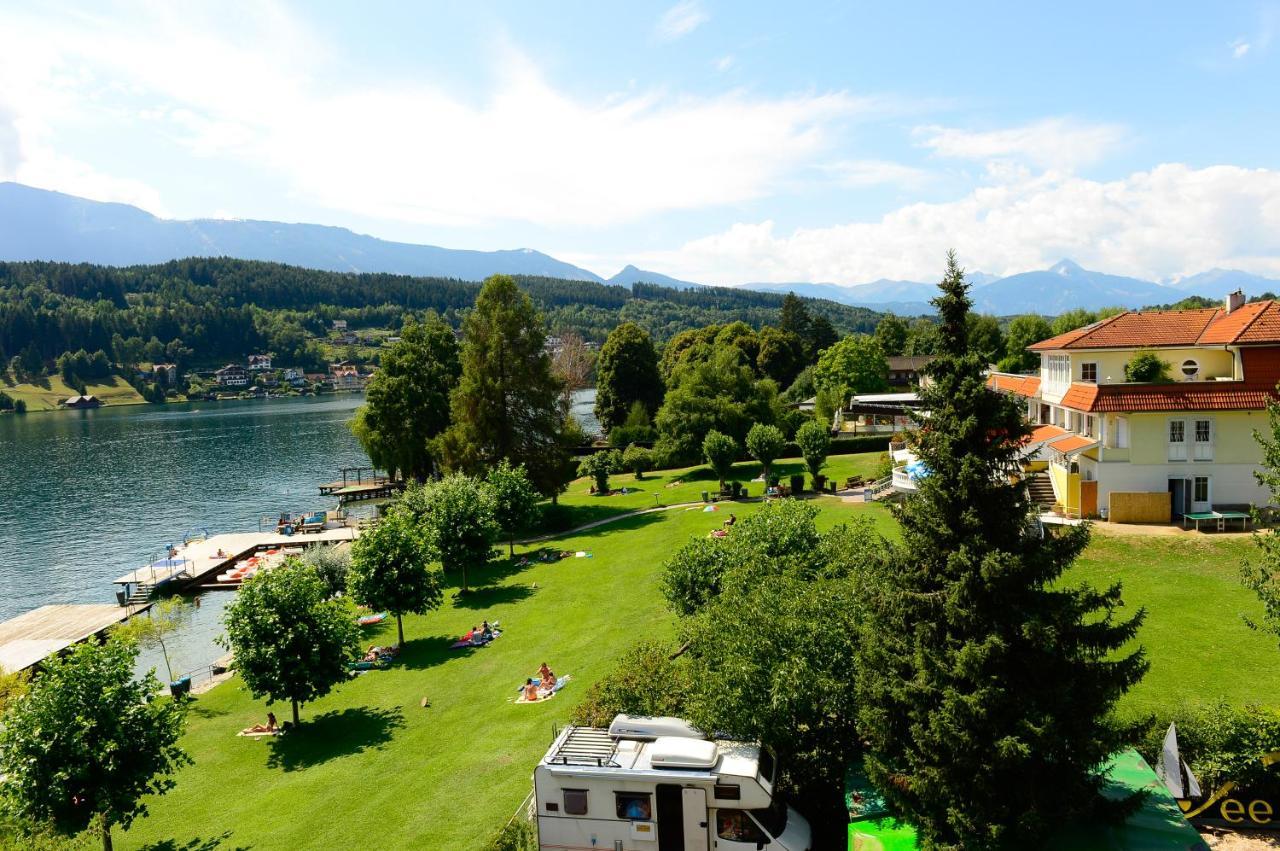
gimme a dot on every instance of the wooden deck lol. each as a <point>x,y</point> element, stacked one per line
<point>32,637</point>
<point>201,558</point>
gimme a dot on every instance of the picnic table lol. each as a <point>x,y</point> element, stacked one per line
<point>1218,517</point>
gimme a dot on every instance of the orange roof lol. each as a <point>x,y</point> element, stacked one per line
<point>1182,396</point>
<point>1257,322</point>
<point>1080,395</point>
<point>1022,385</point>
<point>1072,443</point>
<point>1047,432</point>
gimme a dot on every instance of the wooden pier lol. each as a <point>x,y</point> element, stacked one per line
<point>31,638</point>
<point>360,483</point>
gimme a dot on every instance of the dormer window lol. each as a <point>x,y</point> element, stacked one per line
<point>1190,368</point>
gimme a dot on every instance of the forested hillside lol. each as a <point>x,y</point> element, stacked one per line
<point>206,310</point>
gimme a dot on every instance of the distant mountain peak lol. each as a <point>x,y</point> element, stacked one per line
<point>1066,266</point>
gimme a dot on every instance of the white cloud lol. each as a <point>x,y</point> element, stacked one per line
<point>857,174</point>
<point>724,63</point>
<point>1239,48</point>
<point>1050,143</point>
<point>1170,220</point>
<point>250,90</point>
<point>680,20</point>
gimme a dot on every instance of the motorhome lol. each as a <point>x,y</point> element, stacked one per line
<point>659,784</point>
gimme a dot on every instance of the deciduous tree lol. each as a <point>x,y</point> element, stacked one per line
<point>392,569</point>
<point>291,642</point>
<point>458,515</point>
<point>638,460</point>
<point>814,440</point>
<point>626,374</point>
<point>891,334</point>
<point>720,394</point>
<point>515,500</point>
<point>89,741</point>
<point>599,466</point>
<point>720,451</point>
<point>407,400</point>
<point>1024,331</point>
<point>765,443</point>
<point>856,364</point>
<point>987,684</point>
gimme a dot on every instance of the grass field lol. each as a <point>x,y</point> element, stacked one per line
<point>370,764</point>
<point>40,397</point>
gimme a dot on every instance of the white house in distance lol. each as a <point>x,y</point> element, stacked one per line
<point>259,363</point>
<point>1151,452</point>
<point>232,375</point>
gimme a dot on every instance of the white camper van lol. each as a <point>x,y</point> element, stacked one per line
<point>658,784</point>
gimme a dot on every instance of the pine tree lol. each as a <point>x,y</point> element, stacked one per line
<point>507,403</point>
<point>986,683</point>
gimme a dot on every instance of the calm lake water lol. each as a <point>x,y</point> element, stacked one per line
<point>86,496</point>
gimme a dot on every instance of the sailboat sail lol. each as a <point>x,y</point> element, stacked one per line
<point>1174,771</point>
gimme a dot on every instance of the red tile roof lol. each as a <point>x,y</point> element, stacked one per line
<point>1258,322</point>
<point>1182,396</point>
<point>1072,443</point>
<point>1047,432</point>
<point>1023,385</point>
<point>1080,395</point>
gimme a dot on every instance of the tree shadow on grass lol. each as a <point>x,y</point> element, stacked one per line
<point>213,843</point>
<point>194,708</point>
<point>334,734</point>
<point>491,595</point>
<point>427,652</point>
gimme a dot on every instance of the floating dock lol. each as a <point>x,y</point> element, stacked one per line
<point>194,562</point>
<point>31,638</point>
<point>360,483</point>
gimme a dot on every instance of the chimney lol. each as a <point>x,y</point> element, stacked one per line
<point>1235,300</point>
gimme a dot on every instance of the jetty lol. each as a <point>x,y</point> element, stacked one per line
<point>197,562</point>
<point>30,638</point>
<point>360,483</point>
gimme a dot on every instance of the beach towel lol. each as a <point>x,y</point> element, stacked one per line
<point>370,620</point>
<point>251,735</point>
<point>711,508</point>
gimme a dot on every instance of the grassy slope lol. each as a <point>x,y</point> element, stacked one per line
<point>41,398</point>
<point>370,762</point>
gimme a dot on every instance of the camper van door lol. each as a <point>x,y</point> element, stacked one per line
<point>695,819</point>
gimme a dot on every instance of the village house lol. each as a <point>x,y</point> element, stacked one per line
<point>232,375</point>
<point>259,363</point>
<point>1156,451</point>
<point>165,374</point>
<point>82,402</point>
<point>905,369</point>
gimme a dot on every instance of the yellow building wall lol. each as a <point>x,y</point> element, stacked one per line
<point>1233,441</point>
<point>1066,486</point>
<point>1139,508</point>
<point>1214,363</point>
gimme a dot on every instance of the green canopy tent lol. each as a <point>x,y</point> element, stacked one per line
<point>1158,825</point>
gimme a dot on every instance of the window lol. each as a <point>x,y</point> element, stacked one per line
<point>635,806</point>
<point>737,826</point>
<point>766,766</point>
<point>1057,369</point>
<point>1089,372</point>
<point>728,792</point>
<point>1177,440</point>
<point>1190,368</point>
<point>1200,489</point>
<point>1122,432</point>
<point>1088,426</point>
<point>575,802</point>
<point>1203,440</point>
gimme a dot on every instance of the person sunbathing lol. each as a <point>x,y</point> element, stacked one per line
<point>486,631</point>
<point>530,690</point>
<point>373,653</point>
<point>269,727</point>
<point>548,677</point>
<point>469,634</point>
<point>732,519</point>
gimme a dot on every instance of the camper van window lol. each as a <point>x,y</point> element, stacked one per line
<point>737,826</point>
<point>728,792</point>
<point>634,806</point>
<point>774,819</point>
<point>575,802</point>
<point>766,766</point>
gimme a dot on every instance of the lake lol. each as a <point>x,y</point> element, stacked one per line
<point>86,496</point>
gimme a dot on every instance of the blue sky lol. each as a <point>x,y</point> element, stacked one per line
<point>715,141</point>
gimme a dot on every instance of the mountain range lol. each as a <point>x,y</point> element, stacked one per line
<point>38,224</point>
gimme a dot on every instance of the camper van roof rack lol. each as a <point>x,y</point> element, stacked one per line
<point>586,746</point>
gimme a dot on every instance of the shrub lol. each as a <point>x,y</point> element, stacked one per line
<point>720,451</point>
<point>1221,743</point>
<point>637,459</point>
<point>516,835</point>
<point>599,465</point>
<point>646,681</point>
<point>884,466</point>
<point>1146,366</point>
<point>815,442</point>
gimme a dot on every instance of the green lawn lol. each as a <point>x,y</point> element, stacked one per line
<point>1199,647</point>
<point>369,762</point>
<point>39,397</point>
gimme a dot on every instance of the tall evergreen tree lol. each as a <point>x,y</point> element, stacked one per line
<point>407,402</point>
<point>507,403</point>
<point>986,683</point>
<point>626,373</point>
<point>794,318</point>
